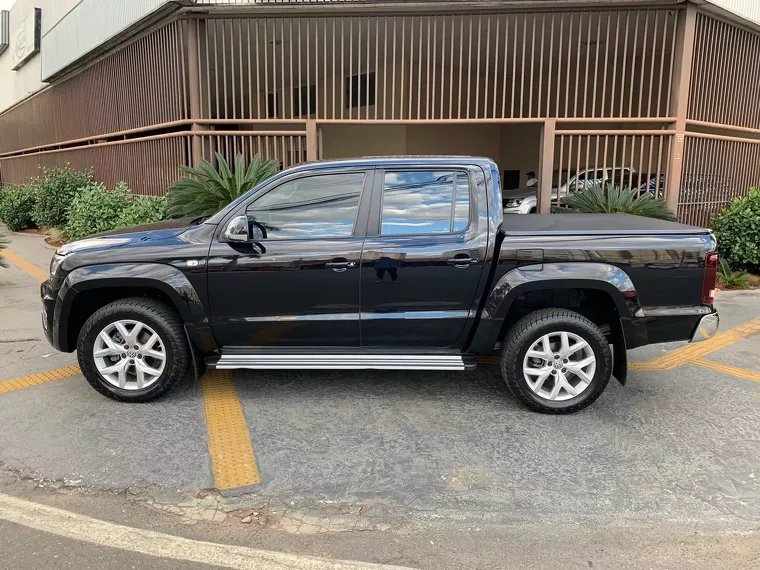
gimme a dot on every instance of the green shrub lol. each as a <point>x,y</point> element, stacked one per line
<point>16,203</point>
<point>142,210</point>
<point>207,191</point>
<point>610,199</point>
<point>737,229</point>
<point>96,209</point>
<point>55,189</point>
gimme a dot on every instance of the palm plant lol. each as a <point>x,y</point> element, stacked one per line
<point>733,279</point>
<point>205,190</point>
<point>608,199</point>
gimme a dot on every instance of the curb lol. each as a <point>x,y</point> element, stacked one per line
<point>737,293</point>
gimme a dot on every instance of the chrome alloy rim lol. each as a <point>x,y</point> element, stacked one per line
<point>129,355</point>
<point>559,366</point>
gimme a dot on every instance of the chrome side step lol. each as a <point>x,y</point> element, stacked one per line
<point>341,362</point>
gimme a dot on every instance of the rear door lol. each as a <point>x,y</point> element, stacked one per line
<point>423,257</point>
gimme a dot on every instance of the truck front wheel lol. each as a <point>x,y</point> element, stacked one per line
<point>133,350</point>
<point>556,361</point>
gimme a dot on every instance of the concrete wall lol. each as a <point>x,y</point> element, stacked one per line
<point>345,141</point>
<point>513,147</point>
<point>519,148</point>
<point>17,85</point>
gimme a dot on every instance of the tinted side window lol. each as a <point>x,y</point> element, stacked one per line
<point>311,207</point>
<point>425,202</point>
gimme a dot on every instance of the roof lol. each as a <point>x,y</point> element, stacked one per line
<point>392,161</point>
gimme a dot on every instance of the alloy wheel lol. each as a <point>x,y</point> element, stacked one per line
<point>129,354</point>
<point>559,366</point>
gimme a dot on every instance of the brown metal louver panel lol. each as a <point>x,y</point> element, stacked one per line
<point>725,84</point>
<point>632,159</point>
<point>596,64</point>
<point>148,165</point>
<point>289,148</point>
<point>715,170</point>
<point>139,85</point>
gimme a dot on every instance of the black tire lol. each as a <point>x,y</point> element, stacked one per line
<point>527,331</point>
<point>163,320</point>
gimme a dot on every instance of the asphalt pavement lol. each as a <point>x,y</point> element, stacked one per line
<point>429,470</point>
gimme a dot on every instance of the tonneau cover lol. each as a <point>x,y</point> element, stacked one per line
<point>592,224</point>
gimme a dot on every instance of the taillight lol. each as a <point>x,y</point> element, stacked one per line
<point>711,274</point>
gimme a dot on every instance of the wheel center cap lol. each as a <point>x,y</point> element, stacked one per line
<point>131,353</point>
<point>557,364</point>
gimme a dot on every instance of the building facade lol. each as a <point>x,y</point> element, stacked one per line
<point>663,91</point>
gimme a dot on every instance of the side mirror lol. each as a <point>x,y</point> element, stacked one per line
<point>237,229</point>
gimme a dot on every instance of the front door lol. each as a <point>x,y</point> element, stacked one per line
<point>422,259</point>
<point>296,282</point>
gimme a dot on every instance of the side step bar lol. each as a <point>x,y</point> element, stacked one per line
<point>343,362</point>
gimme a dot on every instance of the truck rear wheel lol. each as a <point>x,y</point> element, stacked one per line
<point>133,350</point>
<point>556,361</point>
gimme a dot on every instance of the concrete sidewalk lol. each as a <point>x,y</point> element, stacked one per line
<point>23,347</point>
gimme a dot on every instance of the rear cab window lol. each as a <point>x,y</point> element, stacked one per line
<point>420,202</point>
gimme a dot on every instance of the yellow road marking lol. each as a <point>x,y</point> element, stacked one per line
<point>642,366</point>
<point>25,266</point>
<point>229,443</point>
<point>725,368</point>
<point>697,350</point>
<point>35,379</point>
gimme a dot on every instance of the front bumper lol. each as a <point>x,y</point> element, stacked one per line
<point>706,328</point>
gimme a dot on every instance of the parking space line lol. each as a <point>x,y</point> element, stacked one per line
<point>695,351</point>
<point>36,379</point>
<point>725,368</point>
<point>24,265</point>
<point>229,442</point>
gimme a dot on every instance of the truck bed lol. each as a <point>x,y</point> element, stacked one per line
<point>593,224</point>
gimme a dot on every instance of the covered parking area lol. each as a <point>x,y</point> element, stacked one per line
<point>660,89</point>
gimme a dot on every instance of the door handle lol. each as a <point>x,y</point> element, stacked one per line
<point>462,262</point>
<point>340,266</point>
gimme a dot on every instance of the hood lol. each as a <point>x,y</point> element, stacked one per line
<point>526,193</point>
<point>518,193</point>
<point>122,236</point>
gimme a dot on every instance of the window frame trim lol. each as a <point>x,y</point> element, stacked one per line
<point>375,225</point>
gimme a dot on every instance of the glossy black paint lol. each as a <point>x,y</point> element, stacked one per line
<point>287,292</point>
<point>172,261</point>
<point>394,292</point>
<point>427,281</point>
<point>634,270</point>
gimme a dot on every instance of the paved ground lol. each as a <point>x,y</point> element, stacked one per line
<point>446,469</point>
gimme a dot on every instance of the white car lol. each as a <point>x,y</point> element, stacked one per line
<point>524,200</point>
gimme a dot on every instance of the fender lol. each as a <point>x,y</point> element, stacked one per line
<point>165,278</point>
<point>576,275</point>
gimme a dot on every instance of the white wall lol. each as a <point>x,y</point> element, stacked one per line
<point>745,9</point>
<point>17,85</point>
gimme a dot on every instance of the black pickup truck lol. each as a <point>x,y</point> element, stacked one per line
<point>381,263</point>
